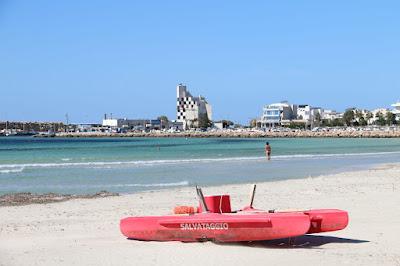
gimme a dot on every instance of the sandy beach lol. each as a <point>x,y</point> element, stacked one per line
<point>86,231</point>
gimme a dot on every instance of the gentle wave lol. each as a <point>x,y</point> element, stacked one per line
<point>100,186</point>
<point>150,162</point>
<point>13,168</point>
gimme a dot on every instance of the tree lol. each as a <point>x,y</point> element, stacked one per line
<point>164,120</point>
<point>326,123</point>
<point>381,121</point>
<point>348,117</point>
<point>337,122</point>
<point>369,116</point>
<point>390,118</point>
<point>360,118</point>
<point>362,122</point>
<point>296,125</point>
<point>203,121</point>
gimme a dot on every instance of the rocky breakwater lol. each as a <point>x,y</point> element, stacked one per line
<point>244,134</point>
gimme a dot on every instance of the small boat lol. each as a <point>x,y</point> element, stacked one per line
<point>214,221</point>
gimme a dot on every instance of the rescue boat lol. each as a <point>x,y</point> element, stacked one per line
<point>214,220</point>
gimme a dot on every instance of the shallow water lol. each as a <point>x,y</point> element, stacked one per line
<point>127,165</point>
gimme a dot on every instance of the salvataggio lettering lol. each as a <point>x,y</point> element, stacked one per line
<point>204,226</point>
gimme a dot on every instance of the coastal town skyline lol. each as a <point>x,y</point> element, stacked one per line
<point>332,113</point>
<point>309,110</point>
<point>58,58</point>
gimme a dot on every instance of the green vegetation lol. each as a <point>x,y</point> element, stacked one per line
<point>381,121</point>
<point>390,118</point>
<point>348,117</point>
<point>337,122</point>
<point>362,121</point>
<point>297,125</point>
<point>164,120</point>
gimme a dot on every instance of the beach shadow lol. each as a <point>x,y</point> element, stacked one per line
<point>306,241</point>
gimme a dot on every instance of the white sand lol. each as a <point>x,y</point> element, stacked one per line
<point>86,231</point>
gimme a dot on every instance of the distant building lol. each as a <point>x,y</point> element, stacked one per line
<point>218,125</point>
<point>84,127</point>
<point>189,108</point>
<point>283,114</point>
<point>110,122</point>
<point>276,114</point>
<point>331,115</point>
<point>175,126</point>
<point>134,124</point>
<point>396,110</point>
<point>304,112</point>
<point>129,123</point>
<point>317,110</point>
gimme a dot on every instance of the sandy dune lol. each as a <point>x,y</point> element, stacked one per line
<point>86,231</point>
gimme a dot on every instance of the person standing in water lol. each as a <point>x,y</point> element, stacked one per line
<point>268,151</point>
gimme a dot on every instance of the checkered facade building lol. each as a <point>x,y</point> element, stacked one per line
<point>189,108</point>
<point>184,104</point>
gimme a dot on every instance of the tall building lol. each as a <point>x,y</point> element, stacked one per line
<point>304,112</point>
<point>277,113</point>
<point>190,109</point>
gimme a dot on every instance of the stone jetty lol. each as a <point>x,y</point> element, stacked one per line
<point>244,134</point>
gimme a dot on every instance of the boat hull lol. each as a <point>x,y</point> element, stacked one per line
<point>216,227</point>
<point>327,220</point>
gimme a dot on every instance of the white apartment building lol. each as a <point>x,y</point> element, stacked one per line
<point>317,110</point>
<point>283,113</point>
<point>276,114</point>
<point>331,115</point>
<point>110,122</point>
<point>396,110</point>
<point>304,112</point>
<point>190,108</point>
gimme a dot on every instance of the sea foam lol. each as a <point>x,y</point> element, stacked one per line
<point>15,168</point>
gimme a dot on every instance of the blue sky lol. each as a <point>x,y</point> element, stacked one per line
<point>87,58</point>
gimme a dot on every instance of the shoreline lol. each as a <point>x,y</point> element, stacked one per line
<point>235,134</point>
<point>59,233</point>
<point>28,198</point>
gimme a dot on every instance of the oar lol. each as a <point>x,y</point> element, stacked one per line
<point>202,200</point>
<point>253,193</point>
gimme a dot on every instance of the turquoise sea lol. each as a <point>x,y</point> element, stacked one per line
<point>126,165</point>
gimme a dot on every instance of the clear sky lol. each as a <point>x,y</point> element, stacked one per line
<point>87,58</point>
